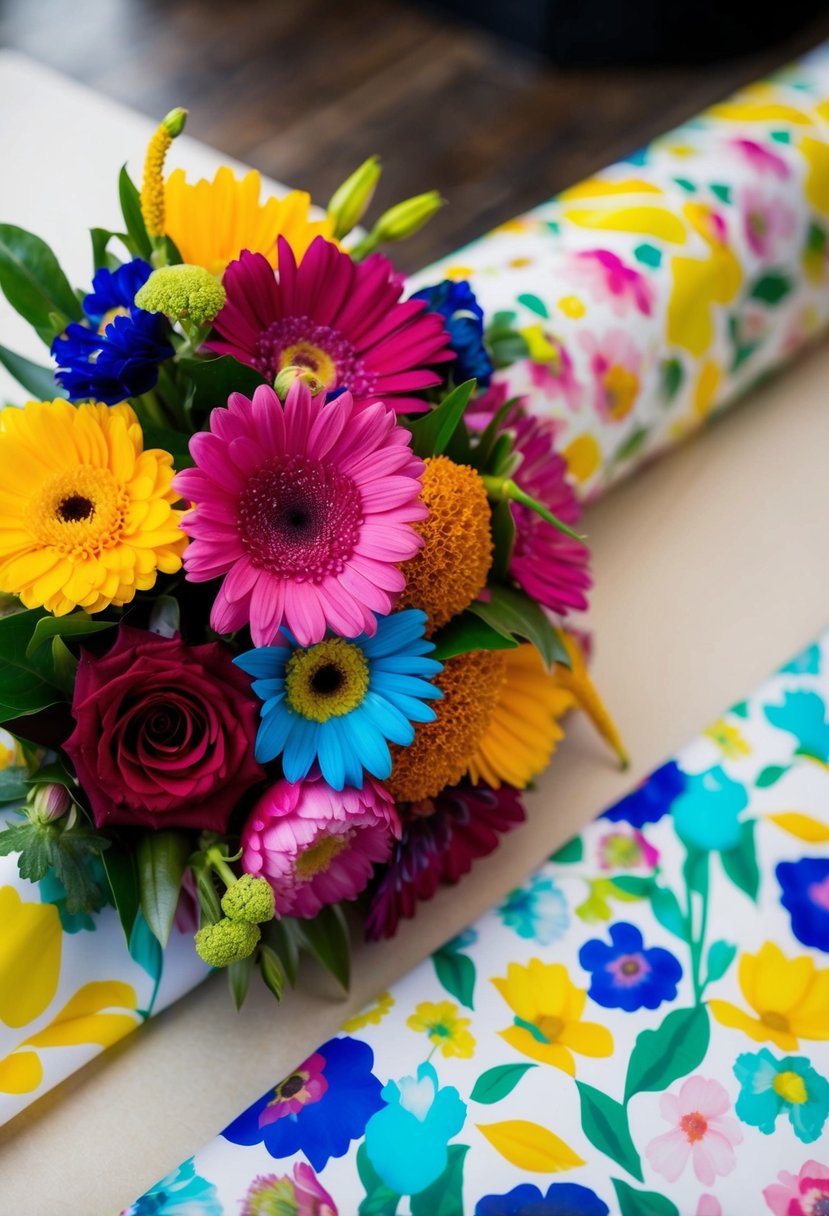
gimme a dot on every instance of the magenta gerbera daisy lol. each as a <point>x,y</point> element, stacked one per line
<point>306,509</point>
<point>550,566</point>
<point>342,320</point>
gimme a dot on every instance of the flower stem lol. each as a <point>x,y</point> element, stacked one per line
<point>504,488</point>
<point>218,862</point>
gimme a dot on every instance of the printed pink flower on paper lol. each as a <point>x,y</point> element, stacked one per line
<point>342,320</point>
<point>761,159</point>
<point>302,1195</point>
<point>709,1205</point>
<point>317,846</point>
<point>551,367</point>
<point>616,367</point>
<point>701,1132</point>
<point>306,509</point>
<point>611,281</point>
<point>626,849</point>
<point>806,1194</point>
<point>767,221</point>
<point>301,1088</point>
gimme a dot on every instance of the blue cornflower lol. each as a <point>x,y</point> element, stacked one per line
<point>115,354</point>
<point>341,702</point>
<point>627,976</point>
<point>805,896</point>
<point>464,318</point>
<point>770,1087</point>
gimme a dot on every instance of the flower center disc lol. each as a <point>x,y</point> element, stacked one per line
<point>323,350</point>
<point>694,1125</point>
<point>318,858</point>
<point>299,519</point>
<point>80,512</point>
<point>327,680</point>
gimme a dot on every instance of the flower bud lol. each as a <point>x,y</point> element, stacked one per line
<point>295,371</point>
<point>182,292</point>
<point>249,899</point>
<point>406,218</point>
<point>351,200</point>
<point>174,122</point>
<point>47,802</point>
<point>228,941</point>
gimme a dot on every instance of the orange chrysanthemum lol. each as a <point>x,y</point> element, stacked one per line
<point>442,749</point>
<point>451,569</point>
<point>86,515</point>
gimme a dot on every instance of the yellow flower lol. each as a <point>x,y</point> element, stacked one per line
<point>444,1028</point>
<point>728,739</point>
<point>30,950</point>
<point>210,223</point>
<point>86,515</point>
<point>548,1008</point>
<point>789,996</point>
<point>372,1015</point>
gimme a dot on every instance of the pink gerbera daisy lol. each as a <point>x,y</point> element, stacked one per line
<point>306,509</point>
<point>551,567</point>
<point>340,319</point>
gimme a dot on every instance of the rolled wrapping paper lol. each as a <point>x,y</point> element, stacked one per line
<point>642,1028</point>
<point>633,306</point>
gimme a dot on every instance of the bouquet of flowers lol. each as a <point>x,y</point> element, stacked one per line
<point>284,574</point>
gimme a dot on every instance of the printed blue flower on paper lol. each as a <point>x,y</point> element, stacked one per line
<point>537,911</point>
<point>182,1193</point>
<point>319,1109</point>
<point>707,815</point>
<point>115,353</point>
<point>627,976</point>
<point>464,319</point>
<point>653,799</point>
<point>770,1087</point>
<point>807,663</point>
<point>803,714</point>
<point>805,887</point>
<point>407,1141</point>
<point>561,1199</point>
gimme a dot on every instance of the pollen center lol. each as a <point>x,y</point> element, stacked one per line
<point>775,1020</point>
<point>791,1087</point>
<point>327,680</point>
<point>694,1125</point>
<point>321,349</point>
<point>318,858</point>
<point>80,512</point>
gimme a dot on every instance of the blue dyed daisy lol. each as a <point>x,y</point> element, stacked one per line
<point>627,976</point>
<point>464,318</point>
<point>805,896</point>
<point>653,799</point>
<point>116,353</point>
<point>770,1087</point>
<point>341,702</point>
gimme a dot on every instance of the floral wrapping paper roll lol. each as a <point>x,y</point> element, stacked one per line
<point>643,1027</point>
<point>639,302</point>
<point>628,310</point>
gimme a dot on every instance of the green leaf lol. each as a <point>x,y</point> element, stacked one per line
<point>380,1200</point>
<point>37,380</point>
<point>631,447</point>
<point>482,451</point>
<point>432,432</point>
<point>740,863</point>
<point>642,1203</point>
<point>506,347</point>
<point>121,869</point>
<point>75,852</point>
<point>515,614</point>
<point>721,955</point>
<point>771,775</point>
<point>76,625</point>
<point>209,903</point>
<point>271,971</point>
<point>771,288</point>
<point>238,979</point>
<point>101,257</point>
<point>456,972</point>
<point>672,375</point>
<point>144,947</point>
<point>64,665</point>
<point>138,241</point>
<point>213,381</point>
<point>445,1195</point>
<point>667,911</point>
<point>34,284</point>
<point>27,685</point>
<point>695,870</point>
<point>496,1083</point>
<point>162,860</point>
<point>326,937</point>
<point>534,304</point>
<point>605,1123</point>
<point>632,884</point>
<point>14,783</point>
<point>569,853</point>
<point>282,939</point>
<point>503,539</point>
<point>468,632</point>
<point>174,442</point>
<point>673,1050</point>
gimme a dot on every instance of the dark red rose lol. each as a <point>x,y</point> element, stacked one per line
<point>164,733</point>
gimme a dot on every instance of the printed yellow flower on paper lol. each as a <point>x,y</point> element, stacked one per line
<point>444,1027</point>
<point>30,952</point>
<point>86,515</point>
<point>728,739</point>
<point>789,997</point>
<point>548,1009</point>
<point>372,1015</point>
<point>210,223</point>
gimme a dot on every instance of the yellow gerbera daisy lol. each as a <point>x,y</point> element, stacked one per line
<point>789,996</point>
<point>444,1027</point>
<point>86,515</point>
<point>210,223</point>
<point>548,1008</point>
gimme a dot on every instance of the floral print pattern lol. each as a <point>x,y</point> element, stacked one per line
<point>642,1027</point>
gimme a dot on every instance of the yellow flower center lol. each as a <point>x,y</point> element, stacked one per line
<point>318,361</point>
<point>327,680</point>
<point>775,1020</point>
<point>110,316</point>
<point>791,1087</point>
<point>80,512</point>
<point>621,387</point>
<point>694,1125</point>
<point>318,858</point>
<point>291,1087</point>
<point>550,1026</point>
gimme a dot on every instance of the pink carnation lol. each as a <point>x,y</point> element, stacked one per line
<point>701,1132</point>
<point>306,509</point>
<point>317,846</point>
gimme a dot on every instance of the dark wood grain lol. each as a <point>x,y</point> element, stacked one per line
<point>305,89</point>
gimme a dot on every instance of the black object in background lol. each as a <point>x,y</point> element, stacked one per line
<point>602,33</point>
